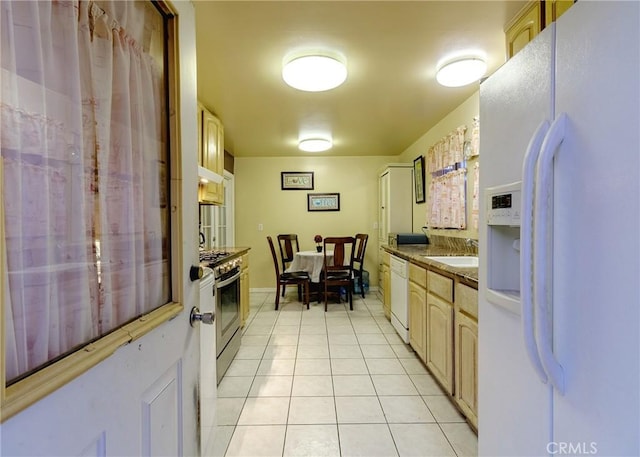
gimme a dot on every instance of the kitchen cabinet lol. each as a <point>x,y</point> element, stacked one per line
<point>395,201</point>
<point>531,20</point>
<point>385,281</point>
<point>553,9</point>
<point>439,345</point>
<point>466,351</point>
<point>245,297</point>
<point>210,155</point>
<point>524,28</point>
<point>418,310</point>
<point>443,328</point>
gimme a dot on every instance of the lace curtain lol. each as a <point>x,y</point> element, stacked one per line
<point>83,176</point>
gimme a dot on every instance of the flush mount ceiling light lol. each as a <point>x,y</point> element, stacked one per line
<point>315,145</point>
<point>314,73</point>
<point>461,72</point>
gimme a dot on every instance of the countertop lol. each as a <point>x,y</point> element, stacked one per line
<point>235,251</point>
<point>416,252</point>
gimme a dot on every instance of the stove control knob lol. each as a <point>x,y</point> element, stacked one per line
<point>196,272</point>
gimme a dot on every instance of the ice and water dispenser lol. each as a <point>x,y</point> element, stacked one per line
<point>503,245</point>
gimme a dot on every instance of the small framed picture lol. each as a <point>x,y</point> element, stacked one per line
<point>296,180</point>
<point>418,179</point>
<point>323,202</point>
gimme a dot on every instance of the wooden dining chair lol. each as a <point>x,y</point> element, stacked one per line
<point>338,270</point>
<point>298,278</point>
<point>358,260</point>
<point>288,244</point>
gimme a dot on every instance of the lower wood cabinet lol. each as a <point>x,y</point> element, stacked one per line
<point>418,310</point>
<point>385,280</point>
<point>440,340</point>
<point>443,331</point>
<point>466,366</point>
<point>466,351</point>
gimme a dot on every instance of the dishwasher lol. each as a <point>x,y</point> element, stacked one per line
<point>400,296</point>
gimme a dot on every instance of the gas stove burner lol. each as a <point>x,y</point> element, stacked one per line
<point>212,257</point>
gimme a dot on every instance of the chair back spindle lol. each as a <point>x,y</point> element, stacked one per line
<point>358,267</point>
<point>338,271</point>
<point>298,278</point>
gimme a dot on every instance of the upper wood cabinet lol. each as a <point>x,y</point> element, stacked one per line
<point>533,18</point>
<point>210,155</point>
<point>524,28</point>
<point>553,9</point>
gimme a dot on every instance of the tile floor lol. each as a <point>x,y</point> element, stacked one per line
<point>341,383</point>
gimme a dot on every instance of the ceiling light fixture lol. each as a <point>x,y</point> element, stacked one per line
<point>315,144</point>
<point>461,72</point>
<point>314,73</point>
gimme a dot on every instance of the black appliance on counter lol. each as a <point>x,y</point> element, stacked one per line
<point>397,239</point>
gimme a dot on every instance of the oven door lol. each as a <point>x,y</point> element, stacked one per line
<point>227,309</point>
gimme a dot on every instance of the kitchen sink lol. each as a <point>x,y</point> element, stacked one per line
<point>462,261</point>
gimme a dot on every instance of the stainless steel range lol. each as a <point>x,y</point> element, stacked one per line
<point>226,273</point>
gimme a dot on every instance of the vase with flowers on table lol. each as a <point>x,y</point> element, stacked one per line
<point>318,240</point>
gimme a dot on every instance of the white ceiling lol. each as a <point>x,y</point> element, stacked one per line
<point>390,98</point>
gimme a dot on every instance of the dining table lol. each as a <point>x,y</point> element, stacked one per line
<point>310,261</point>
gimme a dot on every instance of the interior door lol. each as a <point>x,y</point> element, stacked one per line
<point>143,399</point>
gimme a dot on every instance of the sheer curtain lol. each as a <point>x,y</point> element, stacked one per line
<point>83,157</point>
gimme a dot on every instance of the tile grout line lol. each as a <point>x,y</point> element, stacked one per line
<point>353,323</point>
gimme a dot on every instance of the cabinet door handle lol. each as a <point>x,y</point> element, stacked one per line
<point>543,254</point>
<point>526,254</point>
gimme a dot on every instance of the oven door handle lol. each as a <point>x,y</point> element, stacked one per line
<point>226,282</point>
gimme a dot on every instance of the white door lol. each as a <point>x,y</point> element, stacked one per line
<point>596,268</point>
<point>143,399</point>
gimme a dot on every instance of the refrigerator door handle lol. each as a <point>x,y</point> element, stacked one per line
<point>526,253</point>
<point>542,252</point>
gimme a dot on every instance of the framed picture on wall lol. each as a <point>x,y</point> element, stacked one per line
<point>296,180</point>
<point>323,202</point>
<point>418,179</point>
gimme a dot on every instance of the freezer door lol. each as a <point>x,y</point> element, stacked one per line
<point>514,416</point>
<point>596,299</point>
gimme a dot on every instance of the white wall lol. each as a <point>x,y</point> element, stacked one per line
<point>260,200</point>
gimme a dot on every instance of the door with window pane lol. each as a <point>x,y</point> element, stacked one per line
<point>95,296</point>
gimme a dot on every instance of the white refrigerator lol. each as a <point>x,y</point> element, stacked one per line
<point>559,301</point>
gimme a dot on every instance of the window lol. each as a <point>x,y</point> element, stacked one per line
<point>85,170</point>
<point>216,222</point>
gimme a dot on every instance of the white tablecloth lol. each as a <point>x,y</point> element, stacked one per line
<point>311,262</point>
